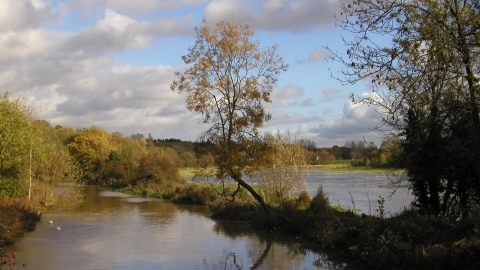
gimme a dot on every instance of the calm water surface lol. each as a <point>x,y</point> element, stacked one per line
<point>116,231</point>
<point>361,191</point>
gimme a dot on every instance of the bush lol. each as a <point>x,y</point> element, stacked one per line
<point>17,216</point>
<point>320,201</point>
<point>304,200</point>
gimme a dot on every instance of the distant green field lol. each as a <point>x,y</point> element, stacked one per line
<point>340,168</point>
<point>344,161</point>
<point>190,173</point>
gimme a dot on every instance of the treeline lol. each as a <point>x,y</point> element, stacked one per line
<point>114,159</point>
<point>48,165</point>
<point>360,153</point>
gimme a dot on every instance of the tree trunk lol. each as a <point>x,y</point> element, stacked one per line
<point>258,198</point>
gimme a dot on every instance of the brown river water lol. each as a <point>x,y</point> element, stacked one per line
<point>112,230</point>
<point>116,231</point>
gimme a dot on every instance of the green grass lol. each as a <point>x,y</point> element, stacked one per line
<point>344,161</point>
<point>187,173</point>
<point>190,173</point>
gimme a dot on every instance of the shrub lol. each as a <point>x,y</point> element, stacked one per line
<point>304,200</point>
<point>320,201</point>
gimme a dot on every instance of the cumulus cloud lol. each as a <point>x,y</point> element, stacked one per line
<point>294,16</point>
<point>73,73</point>
<point>357,123</point>
<point>282,97</point>
<point>75,80</point>
<point>133,8</point>
<point>283,118</point>
<point>117,32</point>
<point>26,14</point>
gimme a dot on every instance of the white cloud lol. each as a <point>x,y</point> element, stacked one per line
<point>18,15</point>
<point>132,7</point>
<point>295,16</point>
<point>357,123</point>
<point>118,32</point>
<point>282,98</point>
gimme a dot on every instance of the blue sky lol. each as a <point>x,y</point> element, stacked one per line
<point>110,63</point>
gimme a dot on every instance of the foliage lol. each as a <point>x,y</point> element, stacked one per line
<point>33,162</point>
<point>421,58</point>
<point>320,202</point>
<point>227,82</point>
<point>283,173</point>
<point>15,137</point>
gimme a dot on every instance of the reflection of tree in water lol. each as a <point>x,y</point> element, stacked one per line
<point>228,261</point>
<point>268,250</point>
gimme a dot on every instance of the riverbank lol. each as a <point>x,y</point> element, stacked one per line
<point>17,217</point>
<point>406,240</point>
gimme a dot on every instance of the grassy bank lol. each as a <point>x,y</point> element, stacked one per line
<point>404,241</point>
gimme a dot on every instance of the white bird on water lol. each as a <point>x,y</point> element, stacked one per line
<point>58,227</point>
<point>50,221</point>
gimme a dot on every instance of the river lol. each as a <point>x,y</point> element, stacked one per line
<point>116,231</point>
<point>112,230</point>
<point>361,192</point>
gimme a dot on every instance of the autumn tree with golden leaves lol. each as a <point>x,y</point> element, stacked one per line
<point>228,80</point>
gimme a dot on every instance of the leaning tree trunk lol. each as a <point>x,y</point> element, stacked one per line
<point>259,198</point>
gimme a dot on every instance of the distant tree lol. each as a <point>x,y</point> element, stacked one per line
<point>336,151</point>
<point>323,157</point>
<point>138,137</point>
<point>308,144</point>
<point>228,81</point>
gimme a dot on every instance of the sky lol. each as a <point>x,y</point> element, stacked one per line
<point>110,63</point>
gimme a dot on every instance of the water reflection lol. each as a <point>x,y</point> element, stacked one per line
<point>271,250</point>
<point>116,231</point>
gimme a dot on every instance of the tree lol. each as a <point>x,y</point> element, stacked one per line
<point>228,81</point>
<point>91,148</point>
<point>15,143</point>
<point>421,60</point>
<point>33,160</point>
<point>284,173</point>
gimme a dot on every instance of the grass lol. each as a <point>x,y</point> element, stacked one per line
<point>188,173</point>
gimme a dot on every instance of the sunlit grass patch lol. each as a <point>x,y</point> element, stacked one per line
<point>189,173</point>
